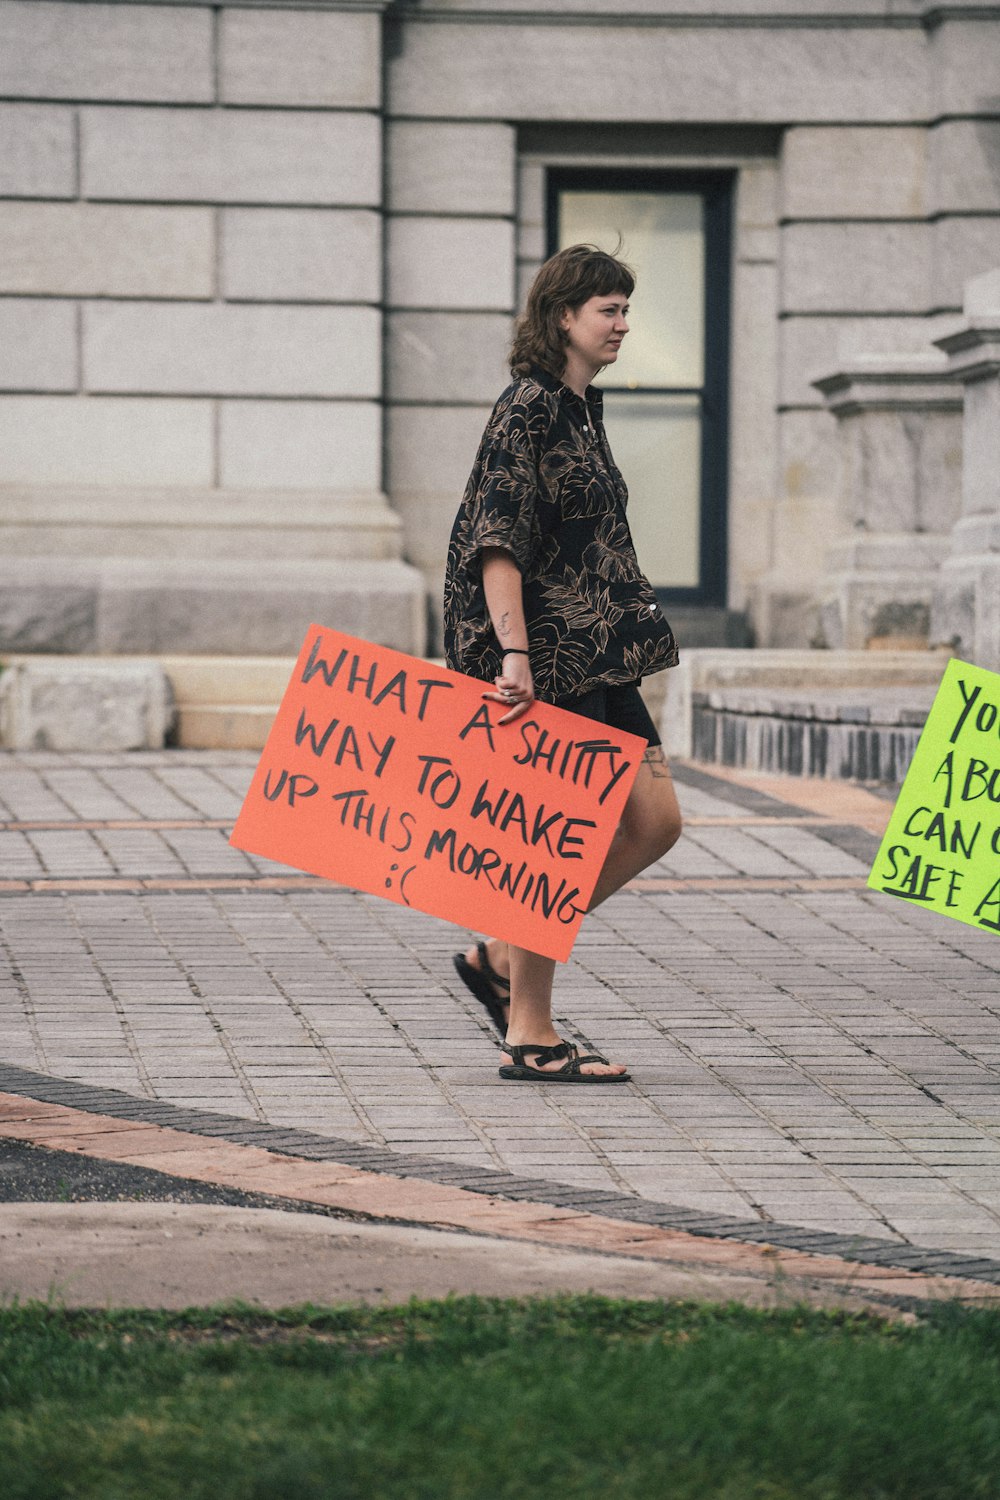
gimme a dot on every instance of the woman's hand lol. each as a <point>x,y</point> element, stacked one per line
<point>514,687</point>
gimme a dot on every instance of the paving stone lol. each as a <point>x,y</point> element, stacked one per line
<point>786,1038</point>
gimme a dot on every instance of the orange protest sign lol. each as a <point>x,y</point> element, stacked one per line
<point>386,773</point>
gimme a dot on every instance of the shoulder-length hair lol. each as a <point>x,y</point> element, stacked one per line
<point>567,279</point>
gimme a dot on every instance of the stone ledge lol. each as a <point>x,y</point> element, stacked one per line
<point>198,605</point>
<point>223,726</point>
<point>878,705</point>
<point>231,524</point>
<point>815,735</point>
<point>850,714</point>
<point>74,703</point>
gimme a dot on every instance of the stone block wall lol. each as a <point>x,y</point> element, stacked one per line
<point>450,298</point>
<point>160,226</point>
<point>882,223</point>
<point>191,301</point>
<point>257,249</point>
<point>865,147</point>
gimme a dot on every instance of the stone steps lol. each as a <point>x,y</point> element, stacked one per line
<point>225,702</point>
<point>838,714</point>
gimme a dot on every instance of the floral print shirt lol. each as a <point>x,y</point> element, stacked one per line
<point>545,488</point>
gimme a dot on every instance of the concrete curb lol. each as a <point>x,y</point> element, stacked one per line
<point>379,1185</point>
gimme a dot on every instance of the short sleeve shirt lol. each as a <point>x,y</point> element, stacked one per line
<point>545,488</point>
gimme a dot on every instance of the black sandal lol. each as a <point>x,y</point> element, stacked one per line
<point>484,983</point>
<point>570,1072</point>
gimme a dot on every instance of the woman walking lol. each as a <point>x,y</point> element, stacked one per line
<point>544,598</point>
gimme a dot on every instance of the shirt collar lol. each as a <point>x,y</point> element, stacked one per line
<point>594,396</point>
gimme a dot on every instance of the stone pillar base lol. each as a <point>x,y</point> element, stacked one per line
<point>878,591</point>
<point>965,614</point>
<point>898,427</point>
<point>780,615</point>
<point>966,607</point>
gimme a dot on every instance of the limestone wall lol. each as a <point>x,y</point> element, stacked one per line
<point>191,288</point>
<point>200,214</point>
<point>254,250</point>
<point>866,144</point>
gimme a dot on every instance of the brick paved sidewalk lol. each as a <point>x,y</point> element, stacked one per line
<point>806,1053</point>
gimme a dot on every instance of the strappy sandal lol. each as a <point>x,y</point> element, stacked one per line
<point>484,983</point>
<point>570,1072</point>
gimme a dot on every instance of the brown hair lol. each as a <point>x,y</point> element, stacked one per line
<point>567,279</point>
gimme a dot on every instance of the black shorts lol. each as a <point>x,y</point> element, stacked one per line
<point>619,706</point>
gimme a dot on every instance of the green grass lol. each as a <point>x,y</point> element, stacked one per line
<point>487,1400</point>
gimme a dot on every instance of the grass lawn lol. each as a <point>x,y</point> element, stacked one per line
<point>490,1400</point>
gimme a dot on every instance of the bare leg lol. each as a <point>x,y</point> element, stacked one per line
<point>530,1022</point>
<point>650,825</point>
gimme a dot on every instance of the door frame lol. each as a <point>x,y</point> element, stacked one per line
<point>717,191</point>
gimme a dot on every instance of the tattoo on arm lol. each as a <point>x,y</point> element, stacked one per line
<point>655,759</point>
<point>503,629</point>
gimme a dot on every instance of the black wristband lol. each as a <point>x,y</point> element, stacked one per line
<point>515,651</point>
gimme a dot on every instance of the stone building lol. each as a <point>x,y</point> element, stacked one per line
<point>259,263</point>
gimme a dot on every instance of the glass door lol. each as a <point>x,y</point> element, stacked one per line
<point>665,398</point>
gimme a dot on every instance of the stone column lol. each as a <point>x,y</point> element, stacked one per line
<point>899,439</point>
<point>966,607</point>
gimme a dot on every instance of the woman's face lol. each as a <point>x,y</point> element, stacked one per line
<point>596,328</point>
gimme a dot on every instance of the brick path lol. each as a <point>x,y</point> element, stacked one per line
<point>813,1062</point>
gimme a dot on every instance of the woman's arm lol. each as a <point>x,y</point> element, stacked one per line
<point>504,599</point>
<point>505,602</point>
